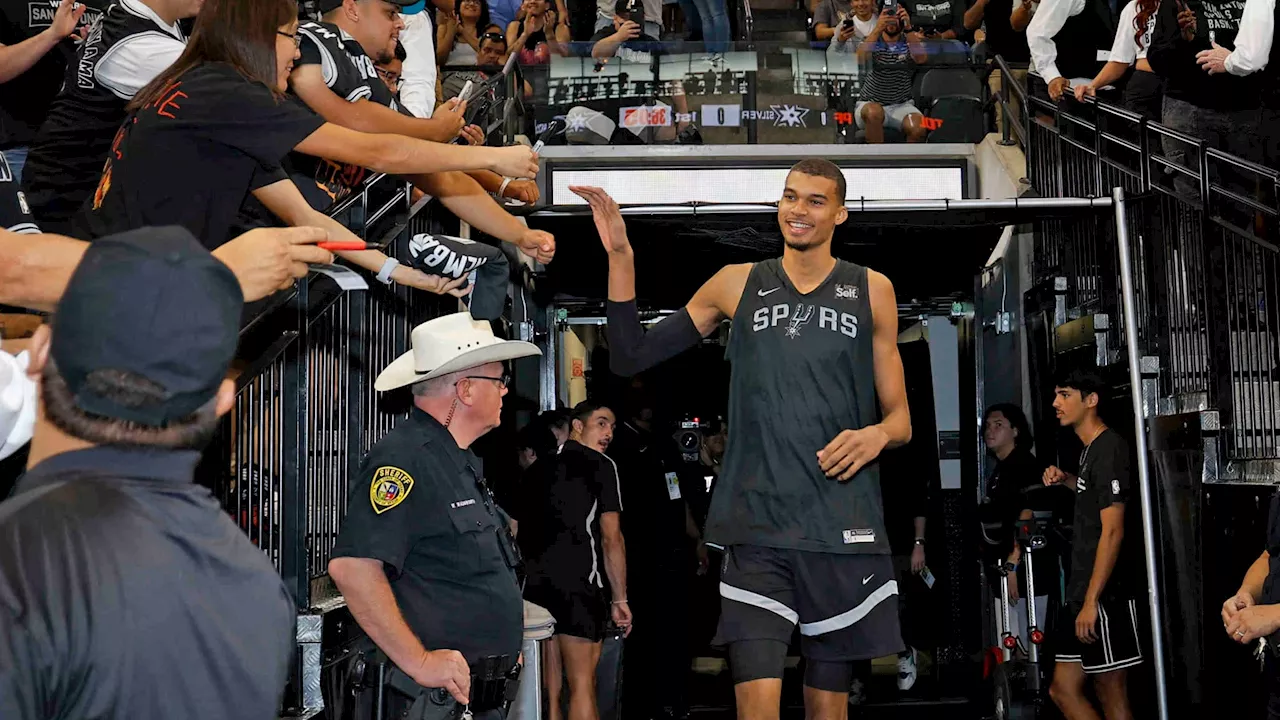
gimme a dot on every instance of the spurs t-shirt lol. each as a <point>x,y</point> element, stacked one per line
<point>1105,480</point>
<point>193,155</point>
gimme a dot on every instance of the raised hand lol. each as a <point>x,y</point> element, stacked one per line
<point>538,244</point>
<point>269,259</point>
<point>516,161</point>
<point>608,217</point>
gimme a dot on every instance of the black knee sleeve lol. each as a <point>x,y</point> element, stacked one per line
<point>829,676</point>
<point>757,660</point>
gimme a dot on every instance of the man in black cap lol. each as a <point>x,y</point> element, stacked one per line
<point>125,591</point>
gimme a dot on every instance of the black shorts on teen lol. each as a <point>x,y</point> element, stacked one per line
<point>846,605</point>
<point>579,612</point>
<point>1118,645</point>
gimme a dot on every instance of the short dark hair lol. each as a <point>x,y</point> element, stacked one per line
<point>536,437</point>
<point>821,167</point>
<point>1084,381</point>
<point>1016,418</point>
<point>583,411</point>
<point>552,419</point>
<point>401,53</point>
<point>192,432</point>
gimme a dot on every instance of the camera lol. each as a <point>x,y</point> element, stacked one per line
<point>689,438</point>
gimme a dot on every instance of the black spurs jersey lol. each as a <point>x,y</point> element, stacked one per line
<point>25,99</point>
<point>125,50</point>
<point>15,214</point>
<point>349,72</point>
<point>803,370</point>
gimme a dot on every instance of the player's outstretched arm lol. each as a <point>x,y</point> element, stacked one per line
<point>633,349</point>
<point>891,386</point>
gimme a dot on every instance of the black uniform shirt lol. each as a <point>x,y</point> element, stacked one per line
<point>126,593</point>
<point>562,499</point>
<point>193,156</point>
<point>418,506</point>
<point>1104,481</point>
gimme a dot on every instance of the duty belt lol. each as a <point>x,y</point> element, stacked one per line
<point>494,682</point>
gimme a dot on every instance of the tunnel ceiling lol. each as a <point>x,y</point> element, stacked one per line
<point>676,254</point>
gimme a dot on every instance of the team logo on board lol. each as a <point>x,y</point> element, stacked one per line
<point>390,487</point>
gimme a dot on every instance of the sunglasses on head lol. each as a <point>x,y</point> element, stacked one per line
<point>493,36</point>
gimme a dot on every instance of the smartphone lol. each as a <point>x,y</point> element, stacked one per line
<point>927,577</point>
<point>891,6</point>
<point>848,23</point>
<point>465,94</point>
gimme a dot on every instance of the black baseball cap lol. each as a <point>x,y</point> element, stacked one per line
<point>155,303</point>
<point>331,5</point>
<point>624,8</point>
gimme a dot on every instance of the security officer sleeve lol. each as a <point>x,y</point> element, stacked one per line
<point>386,509</point>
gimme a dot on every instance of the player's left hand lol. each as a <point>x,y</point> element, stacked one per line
<point>538,244</point>
<point>1087,623</point>
<point>917,559</point>
<point>850,451</point>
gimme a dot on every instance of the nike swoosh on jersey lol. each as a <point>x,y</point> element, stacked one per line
<point>764,293</point>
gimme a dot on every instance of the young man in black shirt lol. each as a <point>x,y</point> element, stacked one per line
<point>337,78</point>
<point>571,537</point>
<point>1099,634</point>
<point>125,589</point>
<point>33,55</point>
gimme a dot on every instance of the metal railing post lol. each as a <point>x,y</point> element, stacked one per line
<point>293,435</point>
<point>1145,489</point>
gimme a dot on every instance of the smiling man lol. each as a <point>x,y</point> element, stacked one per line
<point>797,505</point>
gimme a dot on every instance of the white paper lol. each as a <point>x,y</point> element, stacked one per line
<point>346,278</point>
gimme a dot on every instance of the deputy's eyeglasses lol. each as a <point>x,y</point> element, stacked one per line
<point>295,37</point>
<point>503,381</point>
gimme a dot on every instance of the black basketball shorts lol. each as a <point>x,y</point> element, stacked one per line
<point>846,605</point>
<point>1118,645</point>
<point>579,612</point>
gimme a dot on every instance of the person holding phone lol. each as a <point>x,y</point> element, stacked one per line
<point>845,24</point>
<point>891,52</point>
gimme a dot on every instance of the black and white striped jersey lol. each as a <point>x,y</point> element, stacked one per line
<point>126,49</point>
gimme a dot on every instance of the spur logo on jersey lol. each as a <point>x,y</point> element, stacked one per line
<point>796,318</point>
<point>846,292</point>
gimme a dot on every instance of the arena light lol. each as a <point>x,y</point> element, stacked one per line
<point>638,186</point>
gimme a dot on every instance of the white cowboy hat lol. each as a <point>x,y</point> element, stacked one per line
<point>446,345</point>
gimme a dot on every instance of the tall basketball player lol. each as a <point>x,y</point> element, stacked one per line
<point>813,346</point>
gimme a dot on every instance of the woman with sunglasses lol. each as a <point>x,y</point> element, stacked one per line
<point>458,38</point>
<point>216,126</point>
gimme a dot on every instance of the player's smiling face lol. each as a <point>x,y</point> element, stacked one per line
<point>809,211</point>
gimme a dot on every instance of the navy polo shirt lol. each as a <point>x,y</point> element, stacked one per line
<point>126,592</point>
<point>418,504</point>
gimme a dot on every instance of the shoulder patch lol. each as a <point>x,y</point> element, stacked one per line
<point>389,488</point>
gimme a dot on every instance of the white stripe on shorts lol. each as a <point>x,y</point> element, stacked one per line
<point>849,617</point>
<point>746,596</point>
